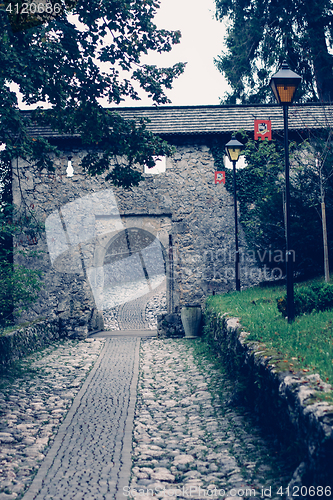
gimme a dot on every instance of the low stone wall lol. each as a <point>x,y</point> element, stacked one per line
<point>289,401</point>
<point>21,342</point>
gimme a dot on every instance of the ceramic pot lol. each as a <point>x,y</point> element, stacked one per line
<point>191,319</point>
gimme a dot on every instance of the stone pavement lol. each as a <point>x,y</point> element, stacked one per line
<point>34,400</point>
<point>91,455</point>
<point>190,440</point>
<point>139,313</point>
<point>124,333</point>
<point>155,429</point>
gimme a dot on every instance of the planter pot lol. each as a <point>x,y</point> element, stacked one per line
<point>191,319</point>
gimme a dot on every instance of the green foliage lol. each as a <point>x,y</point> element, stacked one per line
<point>72,62</point>
<point>19,286</point>
<point>317,297</point>
<point>261,34</point>
<point>124,138</point>
<point>260,192</point>
<point>23,16</point>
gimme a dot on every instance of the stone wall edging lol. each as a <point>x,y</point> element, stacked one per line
<point>291,397</point>
<point>18,343</point>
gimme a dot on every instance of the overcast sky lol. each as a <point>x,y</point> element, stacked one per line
<point>202,40</point>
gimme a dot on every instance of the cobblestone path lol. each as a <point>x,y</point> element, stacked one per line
<point>90,458</point>
<point>189,443</point>
<point>137,314</point>
<point>131,315</point>
<point>180,440</point>
<point>33,402</point>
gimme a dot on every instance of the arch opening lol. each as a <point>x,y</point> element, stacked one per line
<point>135,269</point>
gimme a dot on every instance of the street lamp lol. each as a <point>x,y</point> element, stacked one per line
<point>284,84</point>
<point>233,150</point>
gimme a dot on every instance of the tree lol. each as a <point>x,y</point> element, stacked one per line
<point>261,186</point>
<point>71,62</point>
<point>262,33</point>
<point>314,181</point>
<point>71,55</point>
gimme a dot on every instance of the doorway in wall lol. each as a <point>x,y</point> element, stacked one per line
<point>134,289</point>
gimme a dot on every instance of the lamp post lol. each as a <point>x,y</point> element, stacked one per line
<point>284,84</point>
<point>233,150</point>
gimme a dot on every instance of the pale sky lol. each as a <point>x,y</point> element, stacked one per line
<point>202,40</point>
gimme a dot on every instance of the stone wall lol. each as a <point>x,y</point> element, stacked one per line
<point>189,216</point>
<point>21,342</point>
<point>290,402</point>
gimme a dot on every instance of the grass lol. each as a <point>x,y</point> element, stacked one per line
<point>305,345</point>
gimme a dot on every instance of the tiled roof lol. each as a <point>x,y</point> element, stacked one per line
<point>197,120</point>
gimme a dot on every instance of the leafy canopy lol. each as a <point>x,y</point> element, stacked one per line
<point>262,33</point>
<point>71,62</point>
<point>260,192</point>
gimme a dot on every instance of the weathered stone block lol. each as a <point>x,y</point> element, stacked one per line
<point>170,326</point>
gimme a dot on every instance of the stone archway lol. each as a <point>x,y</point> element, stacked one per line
<point>135,270</point>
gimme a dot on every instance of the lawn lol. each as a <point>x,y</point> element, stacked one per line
<point>305,345</point>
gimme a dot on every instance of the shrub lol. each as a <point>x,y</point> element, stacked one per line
<point>317,297</point>
<point>325,298</point>
<point>19,288</point>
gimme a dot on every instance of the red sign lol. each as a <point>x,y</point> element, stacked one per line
<point>219,177</point>
<point>262,129</point>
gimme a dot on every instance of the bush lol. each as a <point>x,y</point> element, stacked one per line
<point>19,288</point>
<point>317,297</point>
<point>325,298</point>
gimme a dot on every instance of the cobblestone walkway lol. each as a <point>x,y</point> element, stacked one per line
<point>91,455</point>
<point>137,314</point>
<point>33,402</point>
<point>190,443</point>
<point>187,442</point>
<point>131,315</point>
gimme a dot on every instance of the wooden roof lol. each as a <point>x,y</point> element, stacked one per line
<point>199,120</point>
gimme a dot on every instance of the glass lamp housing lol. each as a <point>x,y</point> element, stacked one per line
<point>234,149</point>
<point>284,84</point>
